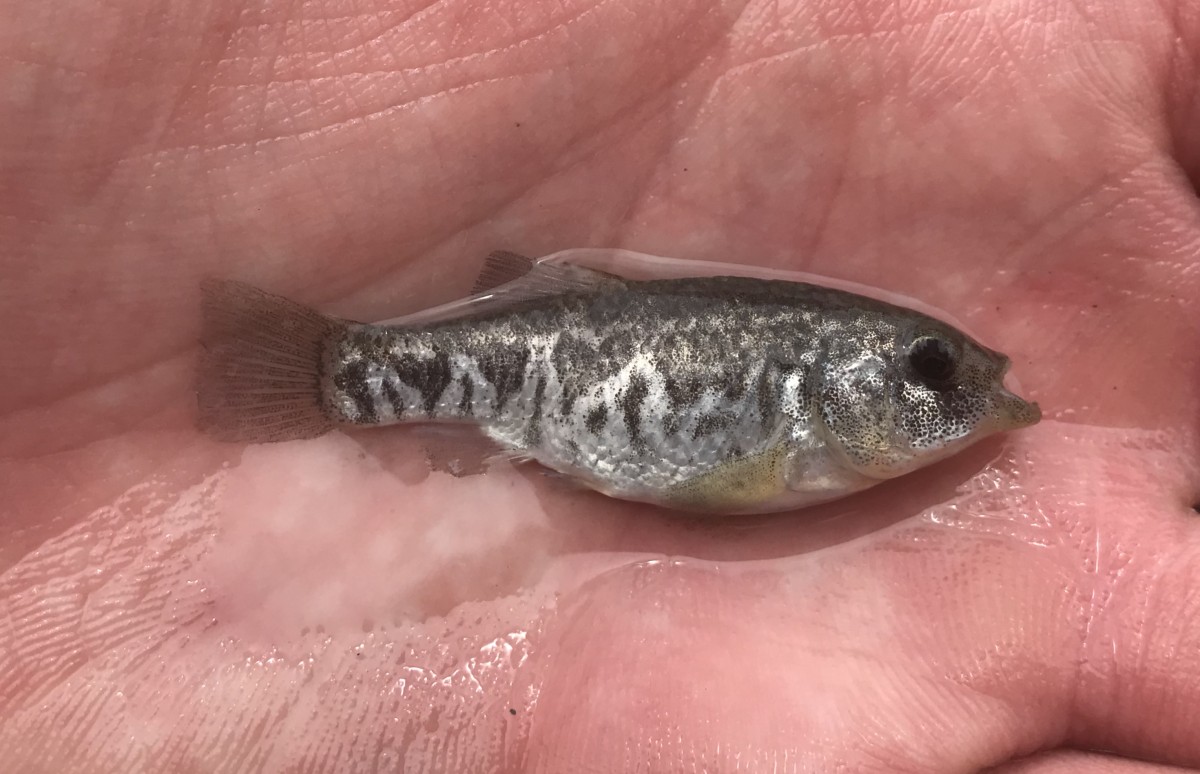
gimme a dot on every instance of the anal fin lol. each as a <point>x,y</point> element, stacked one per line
<point>463,449</point>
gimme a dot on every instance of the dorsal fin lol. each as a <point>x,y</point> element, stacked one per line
<point>500,268</point>
<point>522,277</point>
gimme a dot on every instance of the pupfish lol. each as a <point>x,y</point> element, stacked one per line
<point>714,394</point>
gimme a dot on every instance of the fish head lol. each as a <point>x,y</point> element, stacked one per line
<point>914,392</point>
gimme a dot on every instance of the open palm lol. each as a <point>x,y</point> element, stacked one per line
<point>173,604</point>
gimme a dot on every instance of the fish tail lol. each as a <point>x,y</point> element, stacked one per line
<point>261,370</point>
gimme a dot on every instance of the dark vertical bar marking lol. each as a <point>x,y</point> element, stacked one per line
<point>428,376</point>
<point>533,428</point>
<point>352,380</point>
<point>393,397</point>
<point>631,407</point>
<point>467,405</point>
<point>504,369</point>
<point>596,418</point>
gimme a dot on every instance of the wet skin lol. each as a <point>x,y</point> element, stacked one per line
<point>176,604</point>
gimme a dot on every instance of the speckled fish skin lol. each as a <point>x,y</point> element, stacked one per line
<point>721,395</point>
<point>718,395</point>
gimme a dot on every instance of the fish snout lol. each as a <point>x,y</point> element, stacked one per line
<point>1010,411</point>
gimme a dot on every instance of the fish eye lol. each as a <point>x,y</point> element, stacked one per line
<point>933,360</point>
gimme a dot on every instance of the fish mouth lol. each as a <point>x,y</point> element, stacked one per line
<point>1011,412</point>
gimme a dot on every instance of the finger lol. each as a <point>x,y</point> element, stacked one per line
<point>1139,678</point>
<point>1070,762</point>
<point>950,642</point>
<point>1182,37</point>
<point>1140,669</point>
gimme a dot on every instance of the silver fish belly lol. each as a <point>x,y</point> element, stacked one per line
<point>709,394</point>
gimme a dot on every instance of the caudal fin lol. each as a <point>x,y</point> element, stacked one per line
<point>260,370</point>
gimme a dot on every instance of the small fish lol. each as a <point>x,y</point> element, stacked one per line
<point>718,394</point>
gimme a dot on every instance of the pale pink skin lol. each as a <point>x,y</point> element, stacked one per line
<point>171,604</point>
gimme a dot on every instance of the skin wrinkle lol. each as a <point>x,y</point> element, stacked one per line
<point>43,64</point>
<point>478,57</point>
<point>373,115</point>
<point>432,243</point>
<point>260,142</point>
<point>1188,113</point>
<point>1038,244</point>
<point>220,45</point>
<point>79,632</point>
<point>640,189</point>
<point>1137,591</point>
<point>70,487</point>
<point>1012,59</point>
<point>154,135</point>
<point>264,101</point>
<point>47,400</point>
<point>699,104</point>
<point>448,64</point>
<point>814,238</point>
<point>437,242</point>
<point>1090,610</point>
<point>812,241</point>
<point>891,22</point>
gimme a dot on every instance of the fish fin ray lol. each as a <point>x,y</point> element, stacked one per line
<point>259,377</point>
<point>500,268</point>
<point>511,275</point>
<point>743,482</point>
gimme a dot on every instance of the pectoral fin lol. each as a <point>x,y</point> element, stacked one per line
<point>782,477</point>
<point>742,485</point>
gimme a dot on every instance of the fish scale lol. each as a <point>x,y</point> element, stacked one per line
<point>648,439</point>
<point>722,394</point>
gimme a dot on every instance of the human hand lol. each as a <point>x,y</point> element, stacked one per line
<point>173,604</point>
